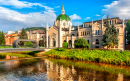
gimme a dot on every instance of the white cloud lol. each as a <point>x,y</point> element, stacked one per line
<point>57,7</point>
<point>74,16</point>
<point>120,8</point>
<point>97,15</point>
<point>21,4</point>
<point>13,20</point>
<point>87,18</point>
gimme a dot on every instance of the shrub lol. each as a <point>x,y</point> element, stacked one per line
<point>65,45</point>
<point>60,49</point>
<point>28,43</point>
<point>81,43</point>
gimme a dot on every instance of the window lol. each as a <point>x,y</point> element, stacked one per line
<point>77,34</point>
<point>72,35</point>
<point>98,32</point>
<point>88,41</point>
<point>110,22</point>
<point>81,33</point>
<point>63,24</point>
<point>85,33</point>
<point>96,46</point>
<point>64,40</point>
<point>97,41</point>
<point>118,30</point>
<point>115,21</point>
<point>88,32</point>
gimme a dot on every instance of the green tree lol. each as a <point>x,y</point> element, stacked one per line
<point>3,38</point>
<point>29,44</point>
<point>23,36</point>
<point>128,31</point>
<point>65,45</point>
<point>81,43</point>
<point>110,37</point>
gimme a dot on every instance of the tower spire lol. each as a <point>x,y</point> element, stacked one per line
<point>62,11</point>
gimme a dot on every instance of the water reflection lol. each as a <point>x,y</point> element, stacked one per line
<point>53,70</point>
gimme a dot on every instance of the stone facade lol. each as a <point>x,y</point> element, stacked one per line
<point>92,31</point>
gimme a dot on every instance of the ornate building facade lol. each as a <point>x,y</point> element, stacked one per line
<point>62,31</point>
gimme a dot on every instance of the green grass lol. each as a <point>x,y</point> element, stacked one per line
<point>110,57</point>
<point>23,54</point>
<point>6,46</point>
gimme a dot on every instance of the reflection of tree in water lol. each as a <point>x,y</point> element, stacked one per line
<point>44,69</point>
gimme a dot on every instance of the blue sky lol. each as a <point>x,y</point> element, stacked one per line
<point>17,14</point>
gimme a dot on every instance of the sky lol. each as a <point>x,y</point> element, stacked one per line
<point>18,14</point>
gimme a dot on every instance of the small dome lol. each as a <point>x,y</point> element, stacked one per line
<point>63,17</point>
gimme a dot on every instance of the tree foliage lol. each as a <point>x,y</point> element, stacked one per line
<point>81,43</point>
<point>28,43</point>
<point>23,36</point>
<point>2,38</point>
<point>128,31</point>
<point>110,37</point>
<point>65,45</point>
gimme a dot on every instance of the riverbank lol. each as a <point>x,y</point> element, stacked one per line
<point>100,56</point>
<point>23,54</point>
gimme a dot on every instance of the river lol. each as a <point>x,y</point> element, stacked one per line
<point>48,69</point>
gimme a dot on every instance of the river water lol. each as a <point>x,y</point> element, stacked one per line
<point>48,69</point>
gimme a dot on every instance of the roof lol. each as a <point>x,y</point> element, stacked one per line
<point>63,17</point>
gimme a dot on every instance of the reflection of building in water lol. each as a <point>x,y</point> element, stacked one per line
<point>58,72</point>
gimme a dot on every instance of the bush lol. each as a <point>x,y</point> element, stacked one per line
<point>60,49</point>
<point>65,45</point>
<point>28,43</point>
<point>81,43</point>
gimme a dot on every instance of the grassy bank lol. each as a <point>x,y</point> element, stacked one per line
<point>4,46</point>
<point>110,57</point>
<point>23,54</point>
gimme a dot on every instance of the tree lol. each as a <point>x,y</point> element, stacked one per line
<point>65,45</point>
<point>28,43</point>
<point>81,43</point>
<point>2,38</point>
<point>128,31</point>
<point>23,36</point>
<point>110,37</point>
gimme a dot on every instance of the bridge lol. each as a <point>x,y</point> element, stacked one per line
<point>23,49</point>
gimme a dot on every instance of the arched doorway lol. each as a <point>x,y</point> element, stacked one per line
<point>53,42</point>
<point>70,43</point>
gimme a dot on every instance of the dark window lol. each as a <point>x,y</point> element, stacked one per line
<point>110,22</point>
<point>64,40</point>
<point>98,32</point>
<point>118,30</point>
<point>88,32</point>
<point>72,35</point>
<point>115,21</point>
<point>88,41</point>
<point>97,41</point>
<point>81,33</point>
<point>77,34</point>
<point>85,33</point>
<point>96,46</point>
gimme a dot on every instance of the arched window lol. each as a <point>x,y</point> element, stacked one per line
<point>70,43</point>
<point>64,40</point>
<point>81,33</point>
<point>98,32</point>
<point>97,41</point>
<point>85,33</point>
<point>72,35</point>
<point>110,22</point>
